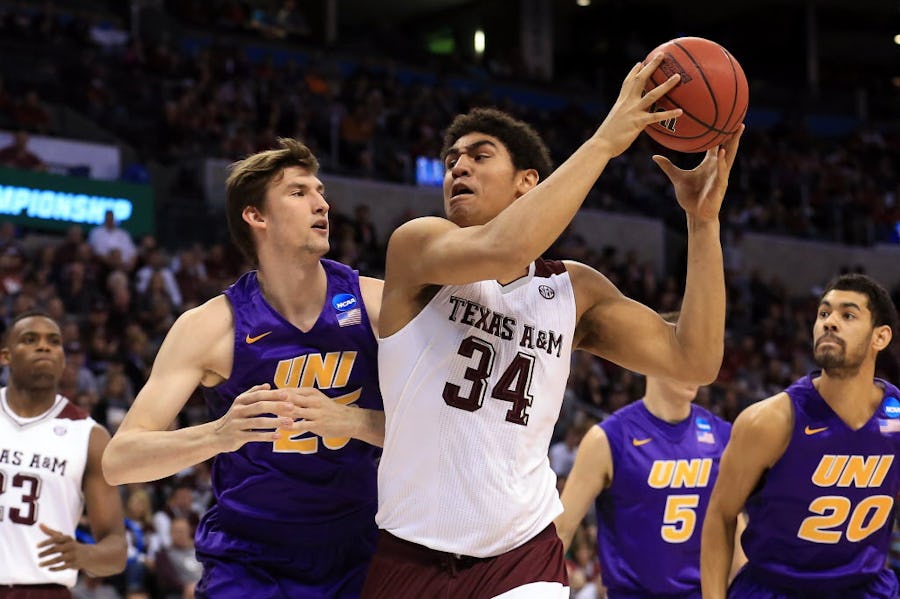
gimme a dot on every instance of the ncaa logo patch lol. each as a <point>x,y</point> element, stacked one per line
<point>891,407</point>
<point>343,302</point>
<point>546,292</point>
<point>703,424</point>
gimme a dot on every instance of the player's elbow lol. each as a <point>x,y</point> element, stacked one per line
<point>113,472</point>
<point>704,369</point>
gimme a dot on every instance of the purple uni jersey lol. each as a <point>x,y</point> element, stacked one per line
<point>822,515</point>
<point>649,519</point>
<point>301,489</point>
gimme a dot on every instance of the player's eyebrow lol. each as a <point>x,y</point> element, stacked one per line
<point>455,152</point>
<point>844,305</point>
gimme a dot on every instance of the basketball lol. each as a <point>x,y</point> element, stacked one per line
<point>713,93</point>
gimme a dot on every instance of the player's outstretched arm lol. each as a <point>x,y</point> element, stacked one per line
<point>628,333</point>
<point>592,472</point>
<point>758,439</point>
<point>198,348</point>
<point>107,556</point>
<point>434,251</point>
<point>700,192</point>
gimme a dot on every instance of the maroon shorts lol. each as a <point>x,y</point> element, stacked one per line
<point>34,591</point>
<point>402,569</point>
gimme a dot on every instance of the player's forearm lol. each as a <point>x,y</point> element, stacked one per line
<point>141,455</point>
<point>717,549</point>
<point>565,530</point>
<point>530,225</point>
<point>701,325</point>
<point>105,557</point>
<point>370,427</point>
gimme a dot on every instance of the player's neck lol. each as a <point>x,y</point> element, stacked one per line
<point>297,291</point>
<point>853,397</point>
<point>665,404</point>
<point>29,403</point>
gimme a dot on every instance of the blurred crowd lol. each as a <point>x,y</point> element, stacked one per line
<point>174,99</point>
<point>179,97</point>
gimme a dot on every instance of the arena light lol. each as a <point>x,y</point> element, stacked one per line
<point>897,39</point>
<point>479,42</point>
<point>583,2</point>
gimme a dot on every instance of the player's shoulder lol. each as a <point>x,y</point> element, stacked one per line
<point>205,324</point>
<point>418,228</point>
<point>72,411</point>
<point>771,419</point>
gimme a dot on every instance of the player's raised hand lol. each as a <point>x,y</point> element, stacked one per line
<point>631,112</point>
<point>60,551</point>
<point>701,190</point>
<point>255,415</point>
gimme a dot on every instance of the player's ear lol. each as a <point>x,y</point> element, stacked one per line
<point>4,356</point>
<point>881,337</point>
<point>253,216</point>
<point>526,179</point>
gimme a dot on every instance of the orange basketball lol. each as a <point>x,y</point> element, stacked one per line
<point>713,93</point>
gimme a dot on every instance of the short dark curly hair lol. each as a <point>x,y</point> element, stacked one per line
<point>524,144</point>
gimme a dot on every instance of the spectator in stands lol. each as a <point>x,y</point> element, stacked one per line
<point>177,568</point>
<point>30,114</point>
<point>179,504</point>
<point>562,453</point>
<point>108,237</point>
<point>17,155</point>
<point>156,267</point>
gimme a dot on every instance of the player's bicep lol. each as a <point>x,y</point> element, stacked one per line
<point>104,505</point>
<point>434,251</point>
<point>194,346</point>
<point>617,328</point>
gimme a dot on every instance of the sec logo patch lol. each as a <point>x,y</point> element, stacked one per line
<point>546,292</point>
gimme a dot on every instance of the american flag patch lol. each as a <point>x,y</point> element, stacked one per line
<point>889,425</point>
<point>350,317</point>
<point>705,437</point>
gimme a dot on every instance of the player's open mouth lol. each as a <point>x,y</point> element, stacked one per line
<point>459,189</point>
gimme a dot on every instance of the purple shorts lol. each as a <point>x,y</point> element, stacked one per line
<point>746,586</point>
<point>405,570</point>
<point>236,568</point>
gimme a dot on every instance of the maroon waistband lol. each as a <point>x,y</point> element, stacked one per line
<point>32,586</point>
<point>408,550</point>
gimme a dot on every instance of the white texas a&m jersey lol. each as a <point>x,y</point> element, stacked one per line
<point>42,461</point>
<point>472,388</point>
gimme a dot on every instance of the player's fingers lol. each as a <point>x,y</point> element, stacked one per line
<point>665,165</point>
<point>59,559</point>
<point>647,69</point>
<point>256,393</point>
<point>265,424</point>
<point>651,97</point>
<point>732,143</point>
<point>49,531</point>
<point>665,115</point>
<point>63,566</point>
<point>279,408</point>
<point>50,551</point>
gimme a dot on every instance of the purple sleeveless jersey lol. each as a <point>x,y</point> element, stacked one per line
<point>306,490</point>
<point>649,519</point>
<point>821,518</point>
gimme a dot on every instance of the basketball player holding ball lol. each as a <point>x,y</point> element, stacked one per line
<point>476,335</point>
